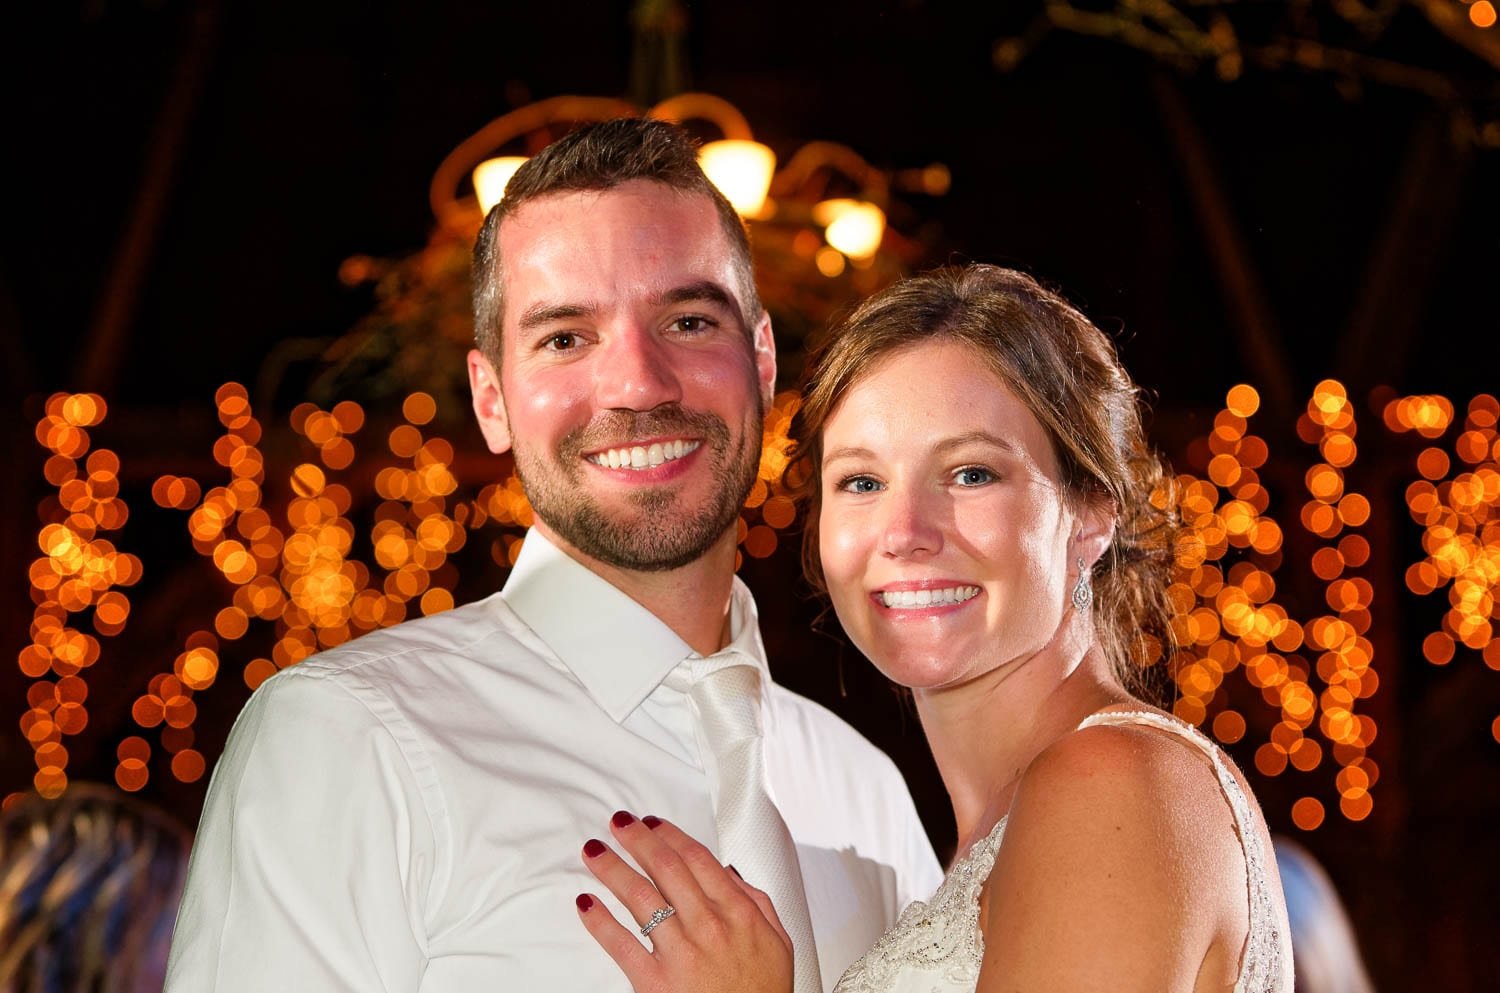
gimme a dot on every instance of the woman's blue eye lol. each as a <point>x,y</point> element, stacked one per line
<point>974,476</point>
<point>859,484</point>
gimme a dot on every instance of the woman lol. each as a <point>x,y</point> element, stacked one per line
<point>980,510</point>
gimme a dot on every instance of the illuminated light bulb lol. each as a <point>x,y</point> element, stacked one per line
<point>419,408</point>
<point>825,212</point>
<point>1357,807</point>
<point>405,440</point>
<point>830,261</point>
<point>936,179</point>
<point>490,177</point>
<point>188,765</point>
<point>1307,813</point>
<point>759,541</point>
<point>779,512</point>
<point>742,171</point>
<point>854,227</point>
<point>1229,727</point>
<point>131,775</point>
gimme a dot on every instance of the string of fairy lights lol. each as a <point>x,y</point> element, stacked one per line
<point>1228,619</point>
<point>76,581</point>
<point>1461,525</point>
<point>291,563</point>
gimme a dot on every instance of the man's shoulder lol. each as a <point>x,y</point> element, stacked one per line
<point>470,667</point>
<point>483,633</point>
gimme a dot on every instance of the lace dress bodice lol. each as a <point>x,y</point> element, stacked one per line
<point>936,946</point>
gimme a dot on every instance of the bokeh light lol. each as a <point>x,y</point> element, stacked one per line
<point>1312,673</point>
<point>76,583</point>
<point>1457,504</point>
<point>300,575</point>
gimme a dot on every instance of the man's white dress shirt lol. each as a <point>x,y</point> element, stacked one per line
<point>405,812</point>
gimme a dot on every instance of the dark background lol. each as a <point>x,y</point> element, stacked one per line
<point>186,179</point>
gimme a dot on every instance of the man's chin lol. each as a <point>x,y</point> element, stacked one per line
<point>650,541</point>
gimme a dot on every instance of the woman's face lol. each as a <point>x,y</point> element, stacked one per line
<point>944,534</point>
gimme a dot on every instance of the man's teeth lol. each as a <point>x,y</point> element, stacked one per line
<point>928,598</point>
<point>643,456</point>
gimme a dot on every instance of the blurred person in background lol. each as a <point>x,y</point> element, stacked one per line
<point>1325,953</point>
<point>89,885</point>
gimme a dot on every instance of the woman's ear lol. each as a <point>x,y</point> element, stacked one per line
<point>1094,529</point>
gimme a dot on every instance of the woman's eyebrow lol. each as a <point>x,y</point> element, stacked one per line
<point>942,447</point>
<point>982,437</point>
<point>847,452</point>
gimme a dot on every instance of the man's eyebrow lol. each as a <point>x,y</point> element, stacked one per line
<point>541,313</point>
<point>702,291</point>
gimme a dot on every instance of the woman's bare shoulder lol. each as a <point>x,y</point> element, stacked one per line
<point>1119,849</point>
<point>1147,793</point>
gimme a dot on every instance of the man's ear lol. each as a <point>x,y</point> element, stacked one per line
<point>489,403</point>
<point>764,343</point>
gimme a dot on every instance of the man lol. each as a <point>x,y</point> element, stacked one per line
<point>406,812</point>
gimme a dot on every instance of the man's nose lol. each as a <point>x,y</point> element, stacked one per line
<point>636,373</point>
<point>911,523</point>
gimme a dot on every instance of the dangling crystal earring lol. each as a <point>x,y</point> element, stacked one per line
<point>1083,590</point>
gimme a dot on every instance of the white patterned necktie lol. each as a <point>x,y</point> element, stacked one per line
<point>752,835</point>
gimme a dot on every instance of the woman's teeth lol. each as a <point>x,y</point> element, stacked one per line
<point>643,456</point>
<point>928,598</point>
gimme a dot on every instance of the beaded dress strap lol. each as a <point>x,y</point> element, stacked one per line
<point>1260,965</point>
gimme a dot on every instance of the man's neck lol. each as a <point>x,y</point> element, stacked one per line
<point>692,600</point>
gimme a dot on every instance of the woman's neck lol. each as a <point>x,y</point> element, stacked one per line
<point>986,732</point>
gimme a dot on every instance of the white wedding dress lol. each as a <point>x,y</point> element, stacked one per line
<point>937,947</point>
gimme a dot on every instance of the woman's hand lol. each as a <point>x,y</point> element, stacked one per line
<point>724,936</point>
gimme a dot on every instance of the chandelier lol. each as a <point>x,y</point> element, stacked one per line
<point>826,204</point>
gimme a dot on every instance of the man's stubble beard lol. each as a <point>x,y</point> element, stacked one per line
<point>660,536</point>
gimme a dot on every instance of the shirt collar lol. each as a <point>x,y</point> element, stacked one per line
<point>619,650</point>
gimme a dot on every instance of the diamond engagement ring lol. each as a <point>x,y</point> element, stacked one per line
<point>657,916</point>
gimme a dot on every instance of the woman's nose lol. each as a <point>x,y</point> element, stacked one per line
<point>911,524</point>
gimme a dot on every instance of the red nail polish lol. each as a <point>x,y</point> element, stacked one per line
<point>622,819</point>
<point>585,902</point>
<point>593,848</point>
<point>651,821</point>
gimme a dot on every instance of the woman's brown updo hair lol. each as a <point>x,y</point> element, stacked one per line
<point>1067,373</point>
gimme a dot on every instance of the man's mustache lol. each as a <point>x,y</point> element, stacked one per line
<point>616,428</point>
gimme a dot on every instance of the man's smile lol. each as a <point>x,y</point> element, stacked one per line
<point>645,456</point>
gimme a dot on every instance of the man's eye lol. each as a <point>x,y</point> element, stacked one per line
<point>692,324</point>
<point>973,476</point>
<point>561,342</point>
